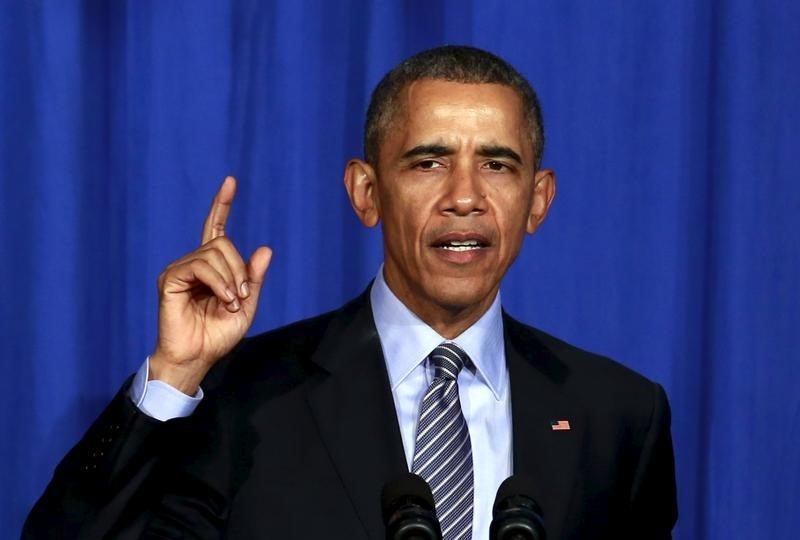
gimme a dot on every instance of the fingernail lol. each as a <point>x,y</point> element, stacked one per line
<point>235,304</point>
<point>245,288</point>
<point>229,295</point>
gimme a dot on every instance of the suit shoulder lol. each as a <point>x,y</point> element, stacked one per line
<point>586,375</point>
<point>281,354</point>
<point>298,338</point>
<point>301,338</point>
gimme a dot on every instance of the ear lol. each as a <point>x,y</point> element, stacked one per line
<point>544,191</point>
<point>360,182</point>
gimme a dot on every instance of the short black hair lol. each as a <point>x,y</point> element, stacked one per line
<point>455,63</point>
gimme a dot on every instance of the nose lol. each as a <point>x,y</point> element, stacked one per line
<point>465,194</point>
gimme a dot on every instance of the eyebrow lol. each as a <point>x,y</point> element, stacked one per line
<point>427,150</point>
<point>497,151</point>
<point>490,151</point>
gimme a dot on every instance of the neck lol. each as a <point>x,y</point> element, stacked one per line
<point>448,320</point>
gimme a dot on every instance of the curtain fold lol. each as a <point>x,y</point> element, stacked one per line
<point>672,245</point>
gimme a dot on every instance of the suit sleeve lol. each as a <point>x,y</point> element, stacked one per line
<point>105,481</point>
<point>654,506</point>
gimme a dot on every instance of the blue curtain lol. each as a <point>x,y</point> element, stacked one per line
<point>672,246</point>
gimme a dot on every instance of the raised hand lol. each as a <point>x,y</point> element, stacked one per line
<point>207,301</point>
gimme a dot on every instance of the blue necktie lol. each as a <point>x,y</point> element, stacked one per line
<point>443,451</point>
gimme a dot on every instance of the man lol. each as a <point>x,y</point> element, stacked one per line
<point>298,429</point>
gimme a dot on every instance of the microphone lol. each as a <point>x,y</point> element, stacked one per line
<point>516,516</point>
<point>408,509</point>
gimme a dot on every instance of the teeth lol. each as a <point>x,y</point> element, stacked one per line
<point>466,245</point>
<point>461,248</point>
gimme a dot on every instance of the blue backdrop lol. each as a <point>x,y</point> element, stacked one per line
<point>672,244</point>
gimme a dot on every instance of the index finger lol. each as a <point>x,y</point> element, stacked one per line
<point>220,208</point>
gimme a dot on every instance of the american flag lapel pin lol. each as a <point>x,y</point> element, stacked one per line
<point>559,425</point>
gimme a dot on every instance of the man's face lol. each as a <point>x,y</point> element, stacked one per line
<point>456,191</point>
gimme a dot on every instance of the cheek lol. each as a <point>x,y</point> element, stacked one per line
<point>410,208</point>
<point>404,222</point>
<point>512,221</point>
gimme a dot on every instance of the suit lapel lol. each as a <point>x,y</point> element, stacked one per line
<point>354,411</point>
<point>549,457</point>
<point>355,415</point>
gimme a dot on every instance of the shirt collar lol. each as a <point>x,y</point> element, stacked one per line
<point>406,339</point>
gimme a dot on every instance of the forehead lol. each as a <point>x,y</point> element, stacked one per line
<point>458,113</point>
<point>433,92</point>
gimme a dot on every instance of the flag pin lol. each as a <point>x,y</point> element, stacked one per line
<point>559,425</point>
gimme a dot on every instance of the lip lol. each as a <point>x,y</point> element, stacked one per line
<point>461,257</point>
<point>461,236</point>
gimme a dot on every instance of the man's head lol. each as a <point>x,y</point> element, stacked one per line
<point>455,182</point>
<point>461,64</point>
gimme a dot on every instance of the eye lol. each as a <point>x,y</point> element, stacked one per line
<point>496,166</point>
<point>428,164</point>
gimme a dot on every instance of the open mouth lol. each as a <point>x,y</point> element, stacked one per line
<point>461,241</point>
<point>461,245</point>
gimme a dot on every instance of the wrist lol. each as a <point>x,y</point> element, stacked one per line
<point>185,377</point>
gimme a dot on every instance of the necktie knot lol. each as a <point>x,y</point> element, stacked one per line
<point>447,360</point>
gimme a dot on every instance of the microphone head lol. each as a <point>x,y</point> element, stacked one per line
<point>407,489</point>
<point>514,492</point>
<point>408,509</point>
<point>515,513</point>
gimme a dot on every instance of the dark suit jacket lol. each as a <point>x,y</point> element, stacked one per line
<point>298,433</point>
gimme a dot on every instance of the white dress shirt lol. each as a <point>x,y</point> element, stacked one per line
<point>406,342</point>
<point>158,399</point>
<point>483,389</point>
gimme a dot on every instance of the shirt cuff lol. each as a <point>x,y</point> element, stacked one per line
<point>159,400</point>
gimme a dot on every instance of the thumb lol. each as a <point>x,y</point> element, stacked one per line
<point>256,270</point>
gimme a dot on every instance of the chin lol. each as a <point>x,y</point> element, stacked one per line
<point>458,294</point>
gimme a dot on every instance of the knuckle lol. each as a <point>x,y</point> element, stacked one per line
<point>224,244</point>
<point>216,254</point>
<point>167,273</point>
<point>219,241</point>
<point>201,263</point>
<point>208,254</point>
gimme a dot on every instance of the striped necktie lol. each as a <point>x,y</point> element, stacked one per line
<point>443,451</point>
